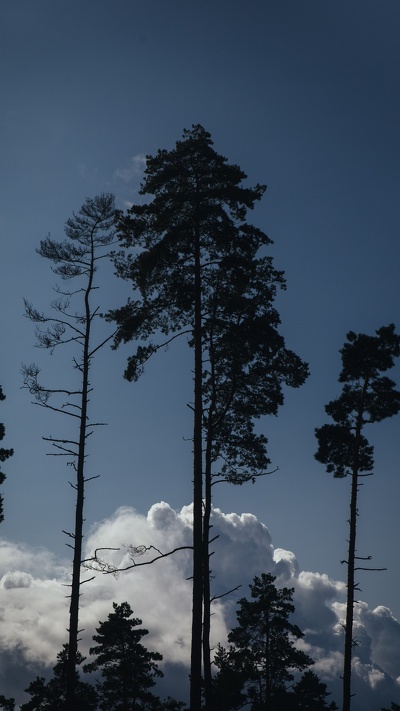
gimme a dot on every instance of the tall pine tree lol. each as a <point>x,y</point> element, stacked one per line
<point>89,234</point>
<point>367,397</point>
<point>201,269</point>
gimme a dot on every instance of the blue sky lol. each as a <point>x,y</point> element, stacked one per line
<point>304,96</point>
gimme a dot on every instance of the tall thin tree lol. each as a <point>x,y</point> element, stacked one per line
<point>89,235</point>
<point>197,267</point>
<point>367,397</point>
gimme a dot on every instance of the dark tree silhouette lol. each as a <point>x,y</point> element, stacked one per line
<point>7,704</point>
<point>89,235</point>
<point>367,397</point>
<point>51,695</point>
<point>4,455</point>
<point>393,707</point>
<point>197,267</point>
<point>262,656</point>
<point>127,668</point>
<point>310,694</point>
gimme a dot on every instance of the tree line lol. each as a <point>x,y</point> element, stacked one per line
<point>257,671</point>
<point>199,270</point>
<point>253,672</point>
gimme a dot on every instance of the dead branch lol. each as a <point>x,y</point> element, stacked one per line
<point>134,551</point>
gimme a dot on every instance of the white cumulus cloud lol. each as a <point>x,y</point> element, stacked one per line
<point>34,608</point>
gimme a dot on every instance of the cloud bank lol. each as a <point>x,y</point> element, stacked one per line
<point>34,608</point>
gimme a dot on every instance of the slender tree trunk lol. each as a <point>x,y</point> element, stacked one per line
<point>206,582</point>
<point>210,433</point>
<point>267,700</point>
<point>348,640</point>
<point>80,497</point>
<point>197,608</point>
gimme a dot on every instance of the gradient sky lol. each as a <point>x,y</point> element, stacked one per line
<point>304,96</point>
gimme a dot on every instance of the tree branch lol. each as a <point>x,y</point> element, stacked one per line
<point>106,568</point>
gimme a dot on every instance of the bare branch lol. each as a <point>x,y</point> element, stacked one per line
<point>103,343</point>
<point>55,409</point>
<point>137,551</point>
<point>218,597</point>
<point>247,478</point>
<point>162,555</point>
<point>100,565</point>
<point>61,441</point>
<point>87,581</point>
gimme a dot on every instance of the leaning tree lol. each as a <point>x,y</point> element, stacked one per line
<point>367,397</point>
<point>71,322</point>
<point>199,269</point>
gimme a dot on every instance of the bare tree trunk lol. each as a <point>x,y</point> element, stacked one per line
<point>80,497</point>
<point>197,608</point>
<point>208,701</point>
<point>348,641</point>
<point>206,582</point>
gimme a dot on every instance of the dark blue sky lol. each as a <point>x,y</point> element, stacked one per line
<point>304,96</point>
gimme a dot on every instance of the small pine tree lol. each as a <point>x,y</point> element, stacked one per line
<point>263,655</point>
<point>310,694</point>
<point>51,696</point>
<point>127,668</point>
